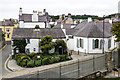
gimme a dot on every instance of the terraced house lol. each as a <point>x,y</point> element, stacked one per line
<point>7,26</point>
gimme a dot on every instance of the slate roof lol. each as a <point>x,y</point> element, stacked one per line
<point>65,26</point>
<point>28,18</point>
<point>93,30</point>
<point>37,33</point>
<point>6,23</point>
<point>71,31</point>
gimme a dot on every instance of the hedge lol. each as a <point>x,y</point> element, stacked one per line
<point>38,63</point>
<point>45,61</point>
<point>30,63</point>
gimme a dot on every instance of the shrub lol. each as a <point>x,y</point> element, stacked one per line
<point>57,59</point>
<point>67,57</point>
<point>55,53</point>
<point>13,56</point>
<point>51,60</point>
<point>45,61</point>
<point>32,54</point>
<point>62,57</point>
<point>19,55</point>
<point>18,61</point>
<point>23,63</point>
<point>30,63</point>
<point>25,57</point>
<point>38,63</point>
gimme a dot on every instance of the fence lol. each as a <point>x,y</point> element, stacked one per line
<point>74,69</point>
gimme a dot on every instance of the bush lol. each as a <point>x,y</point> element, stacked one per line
<point>68,57</point>
<point>25,57</point>
<point>23,63</point>
<point>62,57</point>
<point>19,55</point>
<point>30,63</point>
<point>57,59</point>
<point>18,61</point>
<point>32,54</point>
<point>38,63</point>
<point>45,61</point>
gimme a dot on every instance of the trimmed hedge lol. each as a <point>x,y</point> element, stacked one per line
<point>45,61</point>
<point>32,54</point>
<point>30,63</point>
<point>32,60</point>
<point>38,63</point>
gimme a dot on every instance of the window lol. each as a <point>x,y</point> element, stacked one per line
<point>7,29</point>
<point>109,43</point>
<point>28,40</point>
<point>96,43</point>
<point>81,43</point>
<point>8,35</point>
<point>34,49</point>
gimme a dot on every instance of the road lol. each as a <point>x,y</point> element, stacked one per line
<point>4,53</point>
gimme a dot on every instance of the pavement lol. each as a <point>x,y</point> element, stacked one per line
<point>19,71</point>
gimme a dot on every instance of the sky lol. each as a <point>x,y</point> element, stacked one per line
<point>10,8</point>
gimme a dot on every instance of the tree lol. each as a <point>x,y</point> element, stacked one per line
<point>60,43</point>
<point>46,44</point>
<point>20,43</point>
<point>116,30</point>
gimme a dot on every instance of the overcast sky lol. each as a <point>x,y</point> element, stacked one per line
<point>10,8</point>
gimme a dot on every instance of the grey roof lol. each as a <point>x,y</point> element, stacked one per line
<point>71,31</point>
<point>65,26</point>
<point>93,30</point>
<point>28,18</point>
<point>60,19</point>
<point>34,34</point>
<point>6,23</point>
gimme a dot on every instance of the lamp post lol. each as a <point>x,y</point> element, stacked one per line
<point>103,34</point>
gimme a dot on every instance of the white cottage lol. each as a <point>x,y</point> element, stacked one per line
<point>89,37</point>
<point>33,36</point>
<point>31,20</point>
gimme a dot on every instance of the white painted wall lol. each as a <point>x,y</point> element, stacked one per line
<point>34,43</point>
<point>88,45</point>
<point>31,24</point>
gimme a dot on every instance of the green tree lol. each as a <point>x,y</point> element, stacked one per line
<point>116,30</point>
<point>46,44</point>
<point>60,43</point>
<point>20,43</point>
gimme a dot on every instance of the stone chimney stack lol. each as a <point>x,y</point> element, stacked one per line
<point>20,11</point>
<point>69,15</point>
<point>44,11</point>
<point>63,16</point>
<point>35,16</point>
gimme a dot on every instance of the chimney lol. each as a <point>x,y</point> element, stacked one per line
<point>40,13</point>
<point>63,16</point>
<point>44,11</point>
<point>20,11</point>
<point>69,15</point>
<point>35,16</point>
<point>89,19</point>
